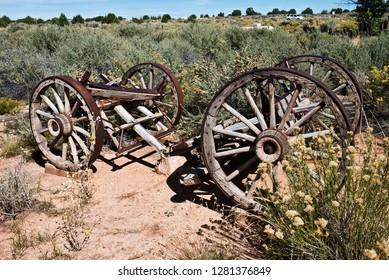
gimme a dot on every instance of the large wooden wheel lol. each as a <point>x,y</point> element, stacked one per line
<point>337,77</point>
<point>66,123</point>
<point>253,118</point>
<point>158,77</point>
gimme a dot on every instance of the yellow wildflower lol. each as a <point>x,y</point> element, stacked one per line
<point>309,208</point>
<point>321,223</point>
<point>298,221</point>
<point>371,254</point>
<point>291,214</point>
<point>269,230</point>
<point>384,246</point>
<point>366,177</point>
<point>335,203</point>
<point>308,199</point>
<point>300,194</point>
<point>279,235</point>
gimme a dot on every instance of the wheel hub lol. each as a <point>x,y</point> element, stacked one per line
<point>60,125</point>
<point>271,145</point>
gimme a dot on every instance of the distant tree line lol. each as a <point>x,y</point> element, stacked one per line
<point>62,20</point>
<point>369,14</point>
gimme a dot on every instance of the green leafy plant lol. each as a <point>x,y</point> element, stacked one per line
<point>378,86</point>
<point>8,106</point>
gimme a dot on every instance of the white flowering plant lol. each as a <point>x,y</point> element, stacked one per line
<point>329,208</point>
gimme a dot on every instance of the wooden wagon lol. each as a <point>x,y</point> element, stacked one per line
<point>252,118</point>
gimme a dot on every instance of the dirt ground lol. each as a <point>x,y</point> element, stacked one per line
<point>124,211</point>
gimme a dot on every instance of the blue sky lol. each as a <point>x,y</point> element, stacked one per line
<point>46,9</point>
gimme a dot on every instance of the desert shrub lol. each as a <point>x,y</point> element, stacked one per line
<point>319,216</point>
<point>8,106</point>
<point>15,190</point>
<point>377,86</point>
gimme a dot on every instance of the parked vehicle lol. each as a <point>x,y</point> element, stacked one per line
<point>294,16</point>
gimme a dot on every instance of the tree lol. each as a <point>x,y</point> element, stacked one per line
<point>27,20</point>
<point>78,19</point>
<point>137,20</point>
<point>236,13</point>
<point>63,20</point>
<point>5,21</point>
<point>192,18</point>
<point>166,18</point>
<point>98,18</point>
<point>369,14</point>
<point>250,12</point>
<point>337,11</point>
<point>54,20</point>
<point>221,15</point>
<point>307,11</point>
<point>110,18</point>
<point>274,12</point>
<point>324,12</point>
<point>292,11</point>
<point>146,17</point>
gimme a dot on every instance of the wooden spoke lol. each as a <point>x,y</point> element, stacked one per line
<point>311,68</point>
<point>44,114</point>
<point>304,119</point>
<point>339,88</point>
<point>163,104</point>
<point>241,117</point>
<point>73,150</point>
<point>81,119</point>
<point>80,143</point>
<point>321,123</point>
<point>241,168</point>
<point>234,134</point>
<point>316,133</point>
<point>54,142</point>
<point>142,80</point>
<point>328,116</point>
<point>50,104</point>
<point>82,131</point>
<point>65,147</point>
<point>253,106</point>
<point>151,76</point>
<point>327,75</point>
<point>57,98</point>
<point>235,151</point>
<point>67,102</point>
<point>134,84</point>
<point>43,130</point>
<point>76,107</point>
<point>272,106</point>
<point>289,108</point>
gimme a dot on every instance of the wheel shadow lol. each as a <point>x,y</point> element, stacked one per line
<point>142,159</point>
<point>205,193</point>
